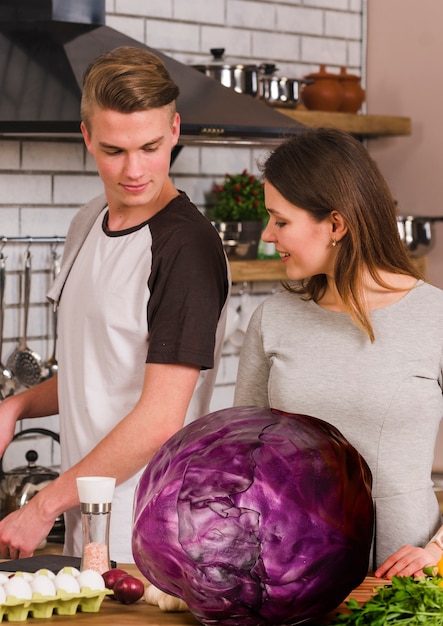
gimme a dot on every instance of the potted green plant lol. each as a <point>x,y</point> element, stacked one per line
<point>237,210</point>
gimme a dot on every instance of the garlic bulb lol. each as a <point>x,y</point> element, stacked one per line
<point>164,601</point>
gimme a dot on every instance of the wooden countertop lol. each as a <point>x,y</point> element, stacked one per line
<point>370,126</point>
<point>142,614</point>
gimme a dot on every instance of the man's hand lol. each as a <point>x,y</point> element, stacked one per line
<point>22,531</point>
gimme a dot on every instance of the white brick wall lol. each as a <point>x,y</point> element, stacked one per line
<point>43,182</point>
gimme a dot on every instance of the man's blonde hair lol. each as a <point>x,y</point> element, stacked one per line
<point>127,79</point>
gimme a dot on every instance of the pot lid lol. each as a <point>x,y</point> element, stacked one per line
<point>346,76</point>
<point>219,61</point>
<point>31,468</point>
<point>23,481</point>
<point>269,69</point>
<point>322,73</point>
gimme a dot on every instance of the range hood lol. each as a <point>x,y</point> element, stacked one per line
<point>45,46</point>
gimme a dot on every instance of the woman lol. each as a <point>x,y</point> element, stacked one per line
<point>356,338</point>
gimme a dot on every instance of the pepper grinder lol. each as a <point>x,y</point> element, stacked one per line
<point>95,493</point>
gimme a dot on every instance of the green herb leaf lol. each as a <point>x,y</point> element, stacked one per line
<point>408,601</point>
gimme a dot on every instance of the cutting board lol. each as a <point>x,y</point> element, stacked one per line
<point>52,562</point>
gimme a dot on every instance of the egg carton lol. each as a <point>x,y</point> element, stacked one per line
<point>87,601</point>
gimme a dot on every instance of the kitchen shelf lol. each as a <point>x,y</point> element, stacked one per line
<point>273,270</point>
<point>370,126</point>
<point>257,270</point>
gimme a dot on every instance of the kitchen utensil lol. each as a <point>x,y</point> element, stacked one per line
<point>241,77</point>
<point>279,90</point>
<point>50,367</point>
<point>19,484</point>
<point>416,232</point>
<point>240,239</point>
<point>7,382</point>
<point>247,307</point>
<point>27,363</point>
<point>232,321</point>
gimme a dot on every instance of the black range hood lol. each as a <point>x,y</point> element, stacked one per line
<point>45,46</point>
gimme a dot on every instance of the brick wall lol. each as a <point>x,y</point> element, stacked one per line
<point>44,181</point>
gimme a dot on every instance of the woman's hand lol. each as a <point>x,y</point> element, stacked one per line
<point>409,561</point>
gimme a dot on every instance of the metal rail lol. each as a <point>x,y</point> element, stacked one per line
<point>55,239</point>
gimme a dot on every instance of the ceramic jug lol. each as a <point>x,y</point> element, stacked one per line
<point>353,93</point>
<point>324,93</point>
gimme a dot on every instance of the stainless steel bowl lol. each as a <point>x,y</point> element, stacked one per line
<point>417,233</point>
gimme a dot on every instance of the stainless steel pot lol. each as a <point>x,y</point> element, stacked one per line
<point>417,233</point>
<point>279,90</point>
<point>240,239</point>
<point>243,78</point>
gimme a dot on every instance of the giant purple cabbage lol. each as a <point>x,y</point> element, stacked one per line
<point>253,516</point>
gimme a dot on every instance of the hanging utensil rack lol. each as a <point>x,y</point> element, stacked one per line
<point>41,335</point>
<point>29,240</point>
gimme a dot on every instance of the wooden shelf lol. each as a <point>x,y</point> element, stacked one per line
<point>273,270</point>
<point>246,271</point>
<point>370,126</point>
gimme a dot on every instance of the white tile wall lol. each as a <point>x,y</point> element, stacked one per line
<point>43,181</point>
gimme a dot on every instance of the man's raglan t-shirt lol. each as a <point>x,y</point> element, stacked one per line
<point>152,294</point>
<point>187,264</point>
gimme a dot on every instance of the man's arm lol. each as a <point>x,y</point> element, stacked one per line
<point>38,401</point>
<point>159,413</point>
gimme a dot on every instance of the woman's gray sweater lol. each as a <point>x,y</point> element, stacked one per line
<point>385,397</point>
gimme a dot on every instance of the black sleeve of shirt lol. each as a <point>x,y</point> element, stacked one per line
<point>188,285</point>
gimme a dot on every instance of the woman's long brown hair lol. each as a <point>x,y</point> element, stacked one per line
<point>324,170</point>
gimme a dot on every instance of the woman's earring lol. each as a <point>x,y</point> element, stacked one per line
<point>334,242</point>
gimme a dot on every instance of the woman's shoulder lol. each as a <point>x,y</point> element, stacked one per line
<point>428,291</point>
<point>283,301</point>
<point>282,294</point>
<point>424,301</point>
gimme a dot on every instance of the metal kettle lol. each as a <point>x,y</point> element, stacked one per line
<point>20,484</point>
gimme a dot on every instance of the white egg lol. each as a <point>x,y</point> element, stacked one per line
<point>18,587</point>
<point>45,572</point>
<point>26,575</point>
<point>3,578</point>
<point>2,595</point>
<point>92,579</point>
<point>69,570</point>
<point>43,584</point>
<point>66,582</point>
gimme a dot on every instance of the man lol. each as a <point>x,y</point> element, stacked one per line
<point>141,296</point>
